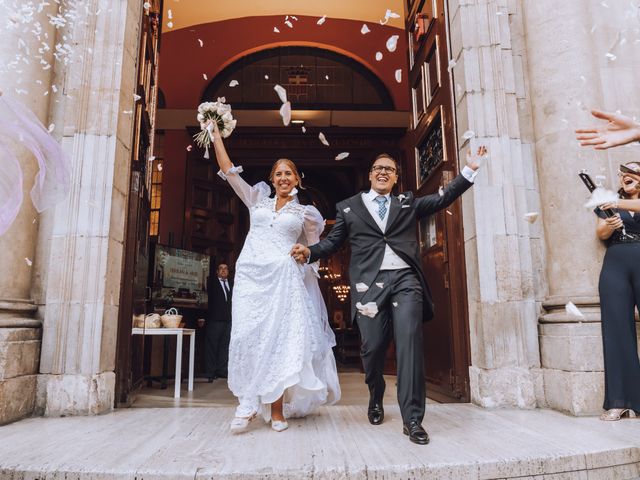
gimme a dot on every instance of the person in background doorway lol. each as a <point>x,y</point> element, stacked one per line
<point>218,325</point>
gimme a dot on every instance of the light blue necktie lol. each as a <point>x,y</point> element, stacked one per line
<point>382,206</point>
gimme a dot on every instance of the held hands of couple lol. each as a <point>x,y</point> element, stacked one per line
<point>300,253</point>
<point>619,130</point>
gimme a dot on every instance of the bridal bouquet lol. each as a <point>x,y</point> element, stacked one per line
<point>208,113</point>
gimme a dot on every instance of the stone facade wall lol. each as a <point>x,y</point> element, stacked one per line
<point>526,74</point>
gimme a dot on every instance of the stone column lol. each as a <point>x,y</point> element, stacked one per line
<point>504,254</point>
<point>82,285</point>
<point>20,330</point>
<point>567,44</point>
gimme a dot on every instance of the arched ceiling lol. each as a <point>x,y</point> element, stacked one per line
<point>187,13</point>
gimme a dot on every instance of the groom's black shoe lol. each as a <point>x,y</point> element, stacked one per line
<point>375,413</point>
<point>416,433</point>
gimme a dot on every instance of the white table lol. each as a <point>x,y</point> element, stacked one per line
<point>179,333</point>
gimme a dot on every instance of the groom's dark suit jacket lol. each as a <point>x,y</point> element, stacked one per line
<point>354,222</point>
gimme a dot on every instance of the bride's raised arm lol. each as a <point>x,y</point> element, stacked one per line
<point>250,195</point>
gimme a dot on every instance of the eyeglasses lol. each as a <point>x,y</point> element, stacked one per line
<point>383,168</point>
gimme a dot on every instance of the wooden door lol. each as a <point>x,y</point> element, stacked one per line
<point>134,294</point>
<point>432,145</point>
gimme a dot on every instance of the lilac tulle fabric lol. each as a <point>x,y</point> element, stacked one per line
<point>52,182</point>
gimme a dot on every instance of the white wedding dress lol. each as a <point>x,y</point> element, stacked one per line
<point>281,342</point>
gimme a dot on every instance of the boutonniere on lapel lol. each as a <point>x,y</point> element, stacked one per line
<point>401,198</point>
<point>346,210</point>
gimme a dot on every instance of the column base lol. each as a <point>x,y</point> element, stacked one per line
<point>575,393</point>
<point>19,360</point>
<point>68,395</point>
<point>504,387</point>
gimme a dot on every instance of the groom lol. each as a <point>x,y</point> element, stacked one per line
<point>389,292</point>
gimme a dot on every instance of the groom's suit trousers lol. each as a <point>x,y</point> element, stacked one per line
<point>398,295</point>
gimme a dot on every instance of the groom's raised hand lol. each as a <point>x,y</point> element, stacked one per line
<point>300,253</point>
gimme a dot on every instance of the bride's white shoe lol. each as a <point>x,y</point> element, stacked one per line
<point>279,425</point>
<point>241,424</point>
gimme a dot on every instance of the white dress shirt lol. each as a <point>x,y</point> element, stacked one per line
<point>225,287</point>
<point>391,260</point>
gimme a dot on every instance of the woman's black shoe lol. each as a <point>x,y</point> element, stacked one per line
<point>416,433</point>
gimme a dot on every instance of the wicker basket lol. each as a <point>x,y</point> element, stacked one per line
<point>151,320</point>
<point>171,319</point>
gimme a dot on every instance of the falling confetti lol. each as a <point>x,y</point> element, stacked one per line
<point>380,284</point>
<point>288,24</point>
<point>321,20</point>
<point>146,5</point>
<point>452,64</point>
<point>275,30</point>
<point>441,191</point>
<point>365,29</point>
<point>468,134</point>
<point>611,56</point>
<point>378,56</point>
<point>573,311</point>
<point>342,156</point>
<point>282,93</point>
<point>449,213</point>
<point>601,196</point>
<point>51,127</point>
<point>128,112</point>
<point>285,113</point>
<point>399,75</point>
<point>234,83</point>
<point>326,77</point>
<point>304,130</point>
<point>170,24</point>
<point>266,77</point>
<point>361,287</point>
<point>204,75</point>
<point>323,139</point>
<point>369,309</point>
<point>395,304</point>
<point>28,261</point>
<point>531,217</point>
<point>136,97</point>
<point>169,14</point>
<point>392,43</point>
<point>159,167</point>
<point>189,148</point>
<point>201,43</point>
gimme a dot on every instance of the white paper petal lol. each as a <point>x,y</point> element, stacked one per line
<point>441,191</point>
<point>234,83</point>
<point>378,56</point>
<point>346,210</point>
<point>452,64</point>
<point>380,284</point>
<point>395,304</point>
<point>573,311</point>
<point>288,24</point>
<point>322,20</point>
<point>369,309</point>
<point>323,139</point>
<point>392,43</point>
<point>304,130</point>
<point>531,217</point>
<point>28,261</point>
<point>275,30</point>
<point>201,43</point>
<point>399,75</point>
<point>266,77</point>
<point>189,148</point>
<point>285,113</point>
<point>468,134</point>
<point>170,24</point>
<point>282,93</point>
<point>342,156</point>
<point>365,29</point>
<point>390,14</point>
<point>600,196</point>
<point>361,287</point>
<point>204,75</point>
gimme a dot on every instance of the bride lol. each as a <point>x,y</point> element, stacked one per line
<point>280,359</point>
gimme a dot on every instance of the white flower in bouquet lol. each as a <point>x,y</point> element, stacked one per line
<point>209,113</point>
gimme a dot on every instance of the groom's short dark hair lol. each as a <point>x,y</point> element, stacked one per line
<point>386,155</point>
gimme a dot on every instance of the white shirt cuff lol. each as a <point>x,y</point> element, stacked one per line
<point>469,173</point>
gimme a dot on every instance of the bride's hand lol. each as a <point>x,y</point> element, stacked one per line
<point>300,253</point>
